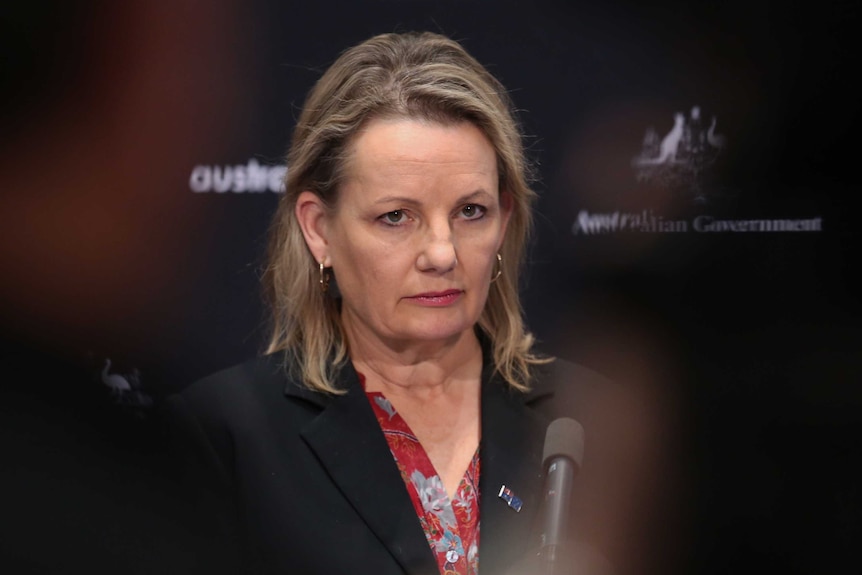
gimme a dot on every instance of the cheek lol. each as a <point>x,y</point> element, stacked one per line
<point>367,266</point>
<point>480,258</point>
<point>484,245</point>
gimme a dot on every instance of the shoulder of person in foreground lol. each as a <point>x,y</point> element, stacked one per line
<point>562,388</point>
<point>626,470</point>
<point>611,411</point>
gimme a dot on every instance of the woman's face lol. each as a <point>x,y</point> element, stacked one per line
<point>413,240</point>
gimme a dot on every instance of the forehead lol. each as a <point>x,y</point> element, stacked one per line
<point>409,150</point>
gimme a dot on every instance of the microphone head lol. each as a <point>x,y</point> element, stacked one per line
<point>564,438</point>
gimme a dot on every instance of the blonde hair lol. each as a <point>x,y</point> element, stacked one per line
<point>413,76</point>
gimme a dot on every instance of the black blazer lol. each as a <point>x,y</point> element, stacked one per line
<point>294,481</point>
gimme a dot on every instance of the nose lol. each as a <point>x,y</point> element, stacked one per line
<point>438,253</point>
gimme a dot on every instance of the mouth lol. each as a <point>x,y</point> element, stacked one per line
<point>437,298</point>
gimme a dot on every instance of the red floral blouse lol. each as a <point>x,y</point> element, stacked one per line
<point>451,526</point>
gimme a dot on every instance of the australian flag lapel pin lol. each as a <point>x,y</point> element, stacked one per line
<point>510,498</point>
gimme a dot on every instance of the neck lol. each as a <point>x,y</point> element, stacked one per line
<point>421,368</point>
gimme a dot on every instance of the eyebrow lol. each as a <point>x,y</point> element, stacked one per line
<point>472,196</point>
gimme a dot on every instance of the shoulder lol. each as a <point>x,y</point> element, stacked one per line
<point>239,395</point>
<point>233,409</point>
<point>260,375</point>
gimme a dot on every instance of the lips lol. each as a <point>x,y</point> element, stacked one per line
<point>437,298</point>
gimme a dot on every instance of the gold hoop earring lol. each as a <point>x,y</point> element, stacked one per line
<point>324,279</point>
<point>499,268</point>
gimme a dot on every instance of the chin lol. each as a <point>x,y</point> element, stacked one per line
<point>440,331</point>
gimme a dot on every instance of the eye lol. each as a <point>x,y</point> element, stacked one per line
<point>394,218</point>
<point>472,211</point>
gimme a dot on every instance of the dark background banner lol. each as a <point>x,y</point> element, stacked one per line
<point>139,143</point>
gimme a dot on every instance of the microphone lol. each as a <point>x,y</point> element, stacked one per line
<point>561,460</point>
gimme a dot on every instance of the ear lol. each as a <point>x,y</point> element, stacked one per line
<point>311,214</point>
<point>507,205</point>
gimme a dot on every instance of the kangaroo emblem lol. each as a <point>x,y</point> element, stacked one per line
<point>669,144</point>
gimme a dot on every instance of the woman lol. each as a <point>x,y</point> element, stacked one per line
<point>400,394</point>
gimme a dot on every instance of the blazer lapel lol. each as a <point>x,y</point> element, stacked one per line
<point>349,443</point>
<point>511,456</point>
<point>347,439</point>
